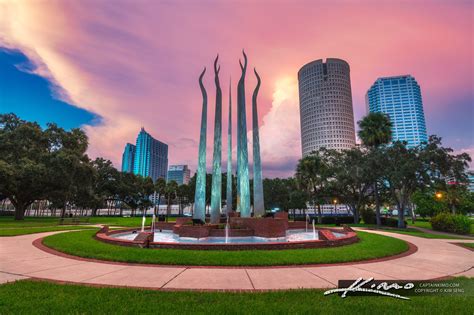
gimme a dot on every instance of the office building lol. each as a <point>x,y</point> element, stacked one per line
<point>400,98</point>
<point>470,177</point>
<point>179,173</point>
<point>128,157</point>
<point>326,114</point>
<point>151,157</point>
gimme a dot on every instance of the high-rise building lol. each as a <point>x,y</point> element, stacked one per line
<point>128,157</point>
<point>326,114</point>
<point>400,98</point>
<point>470,177</point>
<point>179,173</point>
<point>151,157</point>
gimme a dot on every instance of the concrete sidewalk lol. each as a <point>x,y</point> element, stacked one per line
<point>435,258</point>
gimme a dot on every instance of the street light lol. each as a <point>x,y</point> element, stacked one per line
<point>438,195</point>
<point>335,204</point>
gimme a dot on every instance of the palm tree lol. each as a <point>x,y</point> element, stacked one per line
<point>182,193</point>
<point>375,131</point>
<point>170,194</point>
<point>160,186</point>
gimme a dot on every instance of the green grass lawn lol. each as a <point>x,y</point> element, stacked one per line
<point>407,231</point>
<point>33,297</point>
<point>470,245</point>
<point>421,223</point>
<point>414,232</point>
<point>40,229</point>
<point>9,222</point>
<point>82,244</point>
<point>427,225</point>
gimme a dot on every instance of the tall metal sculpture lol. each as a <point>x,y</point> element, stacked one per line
<point>200,194</point>
<point>258,206</point>
<point>217,156</point>
<point>242,150</point>
<point>229,155</point>
<point>243,187</point>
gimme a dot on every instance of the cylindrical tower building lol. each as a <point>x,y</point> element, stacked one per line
<point>326,114</point>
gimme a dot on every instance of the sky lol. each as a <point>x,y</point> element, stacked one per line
<point>112,67</point>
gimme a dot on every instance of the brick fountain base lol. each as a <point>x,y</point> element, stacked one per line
<point>272,227</point>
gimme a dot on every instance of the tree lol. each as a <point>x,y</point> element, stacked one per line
<point>427,204</point>
<point>160,186</point>
<point>375,131</point>
<point>312,173</point>
<point>276,193</point>
<point>447,171</point>
<point>404,173</point>
<point>182,194</point>
<point>298,200</point>
<point>104,184</point>
<point>352,179</point>
<point>170,194</point>
<point>135,190</point>
<point>38,164</point>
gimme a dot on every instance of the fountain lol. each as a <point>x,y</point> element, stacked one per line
<point>241,229</point>
<point>153,219</point>
<point>227,233</point>
<point>143,222</point>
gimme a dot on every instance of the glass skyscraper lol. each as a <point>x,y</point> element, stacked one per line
<point>128,158</point>
<point>179,173</point>
<point>400,98</point>
<point>151,157</point>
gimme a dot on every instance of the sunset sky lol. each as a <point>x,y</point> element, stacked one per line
<point>111,67</point>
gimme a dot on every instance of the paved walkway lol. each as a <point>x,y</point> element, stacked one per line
<point>435,258</point>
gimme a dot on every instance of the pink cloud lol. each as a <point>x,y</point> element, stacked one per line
<point>136,63</point>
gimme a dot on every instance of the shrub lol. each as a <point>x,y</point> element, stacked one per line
<point>340,219</point>
<point>448,222</point>
<point>392,222</point>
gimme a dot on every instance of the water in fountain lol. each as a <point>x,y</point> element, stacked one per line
<point>307,220</point>
<point>143,222</point>
<point>314,231</point>
<point>227,233</point>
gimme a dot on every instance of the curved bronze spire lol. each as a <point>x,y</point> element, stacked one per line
<point>229,154</point>
<point>200,194</point>
<point>216,190</point>
<point>258,206</point>
<point>243,197</point>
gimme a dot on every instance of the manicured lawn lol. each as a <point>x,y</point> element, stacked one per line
<point>82,244</point>
<point>427,225</point>
<point>40,229</point>
<point>9,222</point>
<point>421,223</point>
<point>30,297</point>
<point>414,232</point>
<point>407,231</point>
<point>470,245</point>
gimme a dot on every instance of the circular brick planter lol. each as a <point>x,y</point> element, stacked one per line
<point>145,240</point>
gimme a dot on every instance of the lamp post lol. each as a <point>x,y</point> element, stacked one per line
<point>439,195</point>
